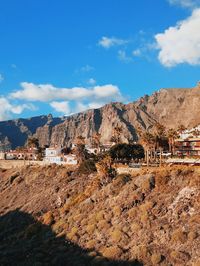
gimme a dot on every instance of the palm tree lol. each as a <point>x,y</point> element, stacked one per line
<point>181,128</point>
<point>117,131</point>
<point>147,140</point>
<point>172,135</point>
<point>160,134</point>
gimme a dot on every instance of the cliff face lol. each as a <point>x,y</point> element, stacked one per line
<point>170,107</point>
<point>101,120</point>
<point>16,132</point>
<point>173,107</point>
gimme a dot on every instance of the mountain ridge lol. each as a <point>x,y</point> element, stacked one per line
<point>170,107</point>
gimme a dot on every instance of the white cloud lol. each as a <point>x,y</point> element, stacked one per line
<point>92,81</point>
<point>137,52</point>
<point>47,93</point>
<point>185,3</point>
<point>80,107</point>
<point>181,43</point>
<point>7,108</point>
<point>107,42</point>
<point>87,68</point>
<point>95,105</point>
<point>61,107</point>
<point>1,78</point>
<point>123,56</point>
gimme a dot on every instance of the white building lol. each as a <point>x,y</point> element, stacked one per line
<point>70,159</point>
<point>2,155</point>
<point>54,155</point>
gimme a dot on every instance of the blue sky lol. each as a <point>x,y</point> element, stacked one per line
<point>65,56</point>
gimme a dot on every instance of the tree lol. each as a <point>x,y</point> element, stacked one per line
<point>117,131</point>
<point>148,141</point>
<point>181,128</point>
<point>160,135</point>
<point>66,150</point>
<point>105,170</point>
<point>32,142</point>
<point>127,151</point>
<point>172,135</point>
<point>80,150</point>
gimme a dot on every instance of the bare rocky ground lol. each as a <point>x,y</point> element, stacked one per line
<point>51,215</point>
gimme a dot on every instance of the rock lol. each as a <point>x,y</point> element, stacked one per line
<point>170,107</point>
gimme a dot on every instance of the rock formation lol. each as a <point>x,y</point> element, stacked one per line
<point>171,107</point>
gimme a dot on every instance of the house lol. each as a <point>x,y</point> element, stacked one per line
<point>24,154</point>
<point>187,147</point>
<point>55,155</point>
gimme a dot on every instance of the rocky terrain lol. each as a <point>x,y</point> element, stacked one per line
<point>171,107</point>
<point>56,216</point>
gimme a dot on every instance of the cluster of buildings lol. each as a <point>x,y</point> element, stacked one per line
<point>187,147</point>
<point>22,154</point>
<point>51,155</point>
<point>188,144</point>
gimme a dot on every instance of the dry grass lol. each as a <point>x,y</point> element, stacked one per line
<point>113,252</point>
<point>179,236</point>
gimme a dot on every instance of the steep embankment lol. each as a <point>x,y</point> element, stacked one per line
<point>152,216</point>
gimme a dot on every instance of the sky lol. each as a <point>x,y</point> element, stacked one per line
<point>67,56</point>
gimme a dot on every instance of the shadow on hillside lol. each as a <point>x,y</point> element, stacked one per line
<point>24,241</point>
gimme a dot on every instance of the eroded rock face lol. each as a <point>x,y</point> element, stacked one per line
<point>170,107</point>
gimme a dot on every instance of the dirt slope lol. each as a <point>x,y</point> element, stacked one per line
<point>152,217</point>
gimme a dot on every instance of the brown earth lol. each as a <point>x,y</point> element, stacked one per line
<point>152,217</point>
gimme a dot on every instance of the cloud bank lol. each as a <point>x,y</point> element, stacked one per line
<point>47,92</point>
<point>181,43</point>
<point>64,101</point>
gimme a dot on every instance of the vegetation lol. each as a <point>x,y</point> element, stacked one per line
<point>116,134</point>
<point>151,216</point>
<point>80,149</point>
<point>32,142</point>
<point>127,152</point>
<point>87,167</point>
<point>105,168</point>
<point>172,135</point>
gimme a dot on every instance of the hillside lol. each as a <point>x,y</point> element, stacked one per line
<point>54,216</point>
<point>170,107</point>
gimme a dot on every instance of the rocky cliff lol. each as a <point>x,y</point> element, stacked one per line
<point>14,133</point>
<point>170,107</point>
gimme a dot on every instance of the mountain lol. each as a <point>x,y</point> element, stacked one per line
<point>15,132</point>
<point>170,107</point>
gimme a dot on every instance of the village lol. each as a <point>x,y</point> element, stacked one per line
<point>182,148</point>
